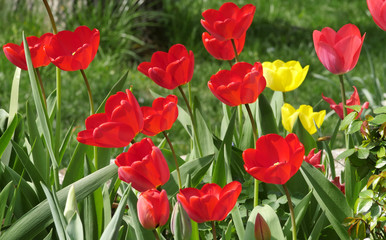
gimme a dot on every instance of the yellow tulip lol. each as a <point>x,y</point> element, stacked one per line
<point>307,117</point>
<point>284,77</point>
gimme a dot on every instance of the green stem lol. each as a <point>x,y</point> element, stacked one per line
<point>156,234</point>
<point>240,112</point>
<point>292,212</point>
<point>88,91</point>
<point>54,29</point>
<point>230,63</point>
<point>175,158</point>
<point>343,93</point>
<point>214,230</point>
<point>41,86</point>
<point>235,49</point>
<point>192,118</point>
<point>254,130</point>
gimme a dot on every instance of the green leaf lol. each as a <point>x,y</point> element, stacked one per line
<point>277,102</point>
<point>363,205</point>
<point>195,168</point>
<point>14,101</point>
<point>270,217</point>
<point>379,119</point>
<point>221,172</point>
<point>7,135</point>
<point>318,227</point>
<point>204,135</point>
<point>354,127</point>
<point>111,231</point>
<point>380,110</point>
<point>30,168</point>
<point>40,216</point>
<point>267,118</point>
<point>238,222</point>
<point>39,104</point>
<point>329,197</point>
<point>347,120</point>
<point>75,167</point>
<point>74,227</point>
<point>300,211</point>
<point>346,154</point>
<point>106,205</point>
<point>57,214</point>
<point>363,153</point>
<point>356,108</point>
<point>3,200</point>
<point>66,139</point>
<point>39,153</point>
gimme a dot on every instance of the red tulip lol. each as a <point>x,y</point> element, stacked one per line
<point>222,50</point>
<point>229,22</point>
<point>143,165</point>
<point>378,11</point>
<point>338,51</point>
<point>118,126</point>
<point>353,100</point>
<point>275,159</point>
<point>153,208</point>
<point>161,116</point>
<point>240,85</point>
<point>16,55</point>
<point>71,51</point>
<point>341,187</point>
<point>170,69</point>
<point>211,203</point>
<point>314,159</point>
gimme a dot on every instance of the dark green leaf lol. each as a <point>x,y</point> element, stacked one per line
<point>7,135</point>
<point>267,118</point>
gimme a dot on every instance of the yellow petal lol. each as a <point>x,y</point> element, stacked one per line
<point>308,117</point>
<point>289,116</point>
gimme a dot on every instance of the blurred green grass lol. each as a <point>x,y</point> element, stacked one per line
<point>132,30</point>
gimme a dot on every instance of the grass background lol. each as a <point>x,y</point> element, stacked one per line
<point>132,30</point>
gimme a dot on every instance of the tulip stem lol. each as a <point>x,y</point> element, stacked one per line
<point>214,230</point>
<point>254,130</point>
<point>343,93</point>
<point>292,212</point>
<point>193,119</point>
<point>235,49</point>
<point>156,234</point>
<point>88,91</point>
<point>175,158</point>
<point>230,63</point>
<point>54,29</point>
<point>41,86</point>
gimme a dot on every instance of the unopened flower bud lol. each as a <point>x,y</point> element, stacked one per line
<point>180,223</point>
<point>262,231</point>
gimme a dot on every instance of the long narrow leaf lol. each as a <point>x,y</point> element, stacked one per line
<point>111,231</point>
<point>329,197</point>
<point>40,217</point>
<point>39,104</point>
<point>3,200</point>
<point>7,136</point>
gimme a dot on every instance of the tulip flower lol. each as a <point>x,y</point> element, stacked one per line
<point>222,50</point>
<point>284,77</point>
<point>307,117</point>
<point>341,187</point>
<point>161,116</point>
<point>115,128</point>
<point>377,9</point>
<point>211,203</point>
<point>153,208</point>
<point>338,51</point>
<point>352,101</point>
<point>240,85</point>
<point>71,51</point>
<point>143,165</point>
<point>275,159</point>
<point>229,22</point>
<point>16,55</point>
<point>314,159</point>
<point>262,231</point>
<point>170,69</point>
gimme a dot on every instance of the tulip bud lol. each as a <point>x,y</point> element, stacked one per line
<point>262,231</point>
<point>71,204</point>
<point>153,208</point>
<point>180,223</point>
